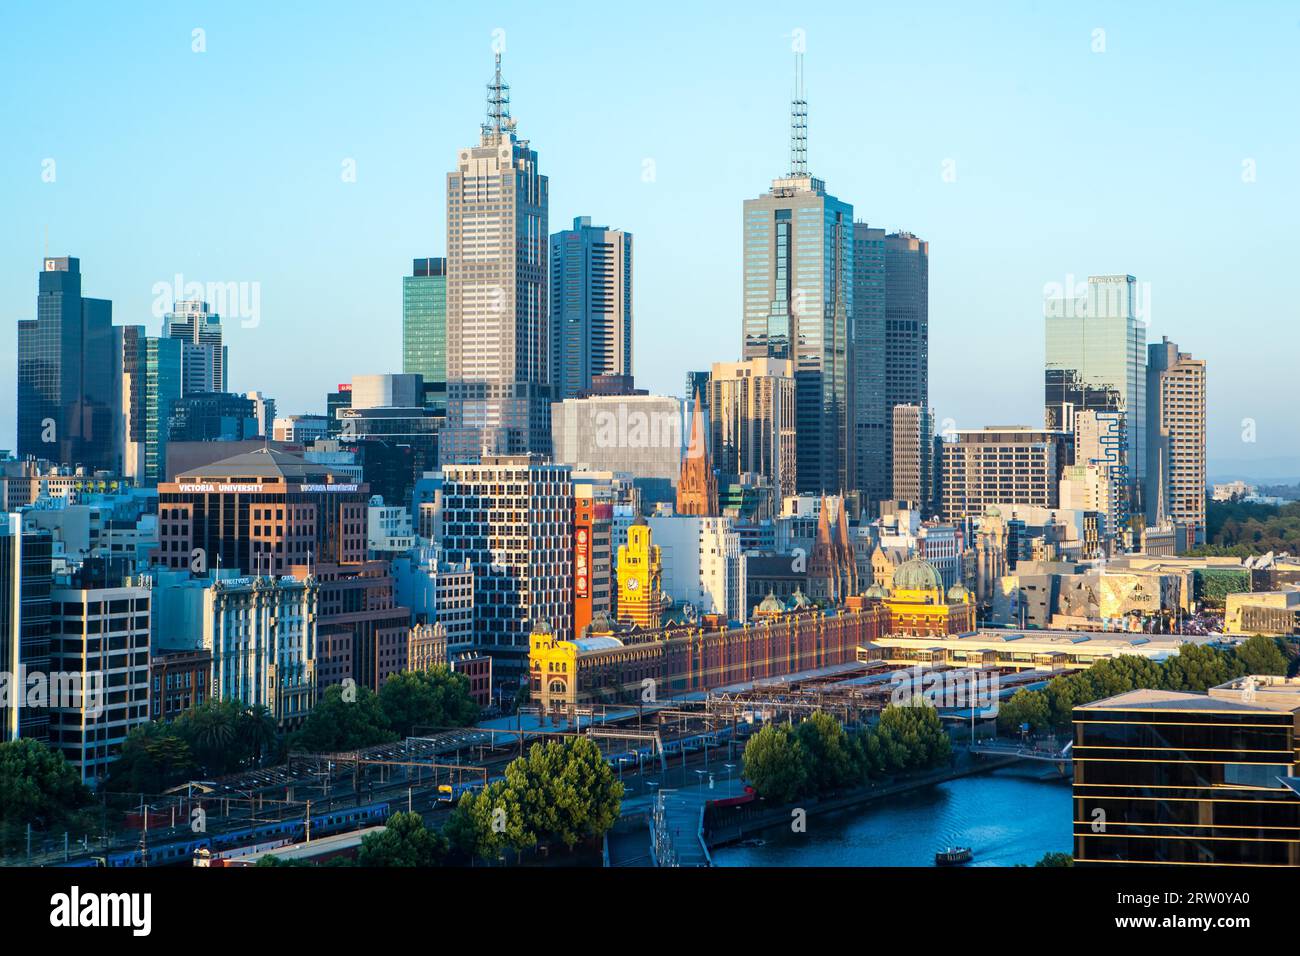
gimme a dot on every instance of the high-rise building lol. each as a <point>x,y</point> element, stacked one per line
<point>640,578</point>
<point>697,488</point>
<point>752,413</point>
<point>913,456</point>
<point>798,306</point>
<point>102,635</point>
<point>213,416</point>
<point>871,424</point>
<point>702,564</point>
<point>906,328</point>
<point>591,305</point>
<point>26,574</point>
<point>152,382</point>
<point>510,518</point>
<point>640,435</point>
<point>1175,438</point>
<point>424,328</point>
<point>67,367</point>
<point>206,357</point>
<point>499,382</point>
<point>1096,361</point>
<point>989,467</point>
<point>593,584</point>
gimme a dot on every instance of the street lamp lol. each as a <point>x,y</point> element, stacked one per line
<point>730,767</point>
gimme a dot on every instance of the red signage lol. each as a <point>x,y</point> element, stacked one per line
<point>581,562</point>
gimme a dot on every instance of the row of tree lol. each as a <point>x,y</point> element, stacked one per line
<point>221,736</point>
<point>1194,668</point>
<point>818,755</point>
<point>1241,529</point>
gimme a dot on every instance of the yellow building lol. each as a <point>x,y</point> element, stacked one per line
<point>918,605</point>
<point>640,578</point>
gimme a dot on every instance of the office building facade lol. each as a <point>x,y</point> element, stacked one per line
<point>752,417</point>
<point>995,466</point>
<point>424,328</point>
<point>499,382</point>
<point>1175,438</point>
<point>591,306</point>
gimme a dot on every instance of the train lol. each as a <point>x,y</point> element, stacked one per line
<point>283,832</point>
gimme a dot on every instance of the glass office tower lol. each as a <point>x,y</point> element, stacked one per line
<point>424,328</point>
<point>66,360</point>
<point>1096,361</point>
<point>798,303</point>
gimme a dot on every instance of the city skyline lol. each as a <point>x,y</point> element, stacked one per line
<point>1187,308</point>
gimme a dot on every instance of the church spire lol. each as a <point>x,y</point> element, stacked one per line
<point>697,488</point>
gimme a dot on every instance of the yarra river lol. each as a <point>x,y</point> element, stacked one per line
<point>1009,816</point>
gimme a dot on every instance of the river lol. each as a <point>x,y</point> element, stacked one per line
<point>1007,816</point>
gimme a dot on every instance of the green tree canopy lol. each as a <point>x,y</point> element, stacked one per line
<point>38,787</point>
<point>406,841</point>
<point>338,723</point>
<point>774,764</point>
<point>436,697</point>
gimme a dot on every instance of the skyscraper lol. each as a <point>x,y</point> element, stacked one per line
<point>498,342</point>
<point>25,580</point>
<point>66,360</point>
<point>152,383</point>
<point>205,356</point>
<point>871,415</point>
<point>913,455</point>
<point>591,305</point>
<point>906,340</point>
<point>1175,437</point>
<point>424,327</point>
<point>798,305</point>
<point>1096,361</point>
<point>752,412</point>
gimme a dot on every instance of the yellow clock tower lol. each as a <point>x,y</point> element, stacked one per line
<point>640,572</point>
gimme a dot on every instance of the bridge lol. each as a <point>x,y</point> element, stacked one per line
<point>1045,751</point>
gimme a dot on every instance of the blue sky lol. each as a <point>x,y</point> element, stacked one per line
<point>226,165</point>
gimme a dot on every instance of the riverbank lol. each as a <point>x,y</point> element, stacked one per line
<point>727,825</point>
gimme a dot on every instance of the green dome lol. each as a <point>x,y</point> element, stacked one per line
<point>875,591</point>
<point>917,575</point>
<point>770,605</point>
<point>957,592</point>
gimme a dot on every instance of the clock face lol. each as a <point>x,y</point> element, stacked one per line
<point>633,584</point>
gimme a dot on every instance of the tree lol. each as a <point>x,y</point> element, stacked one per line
<point>38,787</point>
<point>489,822</point>
<point>1025,707</point>
<point>405,841</point>
<point>337,723</point>
<point>432,698</point>
<point>257,731</point>
<point>1261,655</point>
<point>912,737</point>
<point>566,790</point>
<point>1055,859</point>
<point>212,732</point>
<point>154,757</point>
<point>830,759</point>
<point>1197,667</point>
<point>774,764</point>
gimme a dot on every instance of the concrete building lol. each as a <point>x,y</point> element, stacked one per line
<point>261,633</point>
<point>499,382</point>
<point>752,418</point>
<point>906,340</point>
<point>992,466</point>
<point>871,412</point>
<point>913,456</point>
<point>1175,406</point>
<point>510,518</point>
<point>437,593</point>
<point>638,435</point>
<point>702,564</point>
<point>591,306</point>
<point>389,530</point>
<point>1274,613</point>
<point>206,358</point>
<point>300,429</point>
<point>593,567</point>
<point>99,637</point>
<point>261,512</point>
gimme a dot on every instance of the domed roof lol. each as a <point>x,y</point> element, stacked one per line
<point>917,575</point>
<point>957,592</point>
<point>770,605</point>
<point>799,600</point>
<point>875,591</point>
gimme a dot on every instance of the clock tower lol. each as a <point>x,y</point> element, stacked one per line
<point>640,570</point>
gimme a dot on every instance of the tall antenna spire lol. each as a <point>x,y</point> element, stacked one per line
<point>498,103</point>
<point>798,123</point>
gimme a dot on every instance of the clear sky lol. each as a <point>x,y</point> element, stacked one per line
<point>228,165</point>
